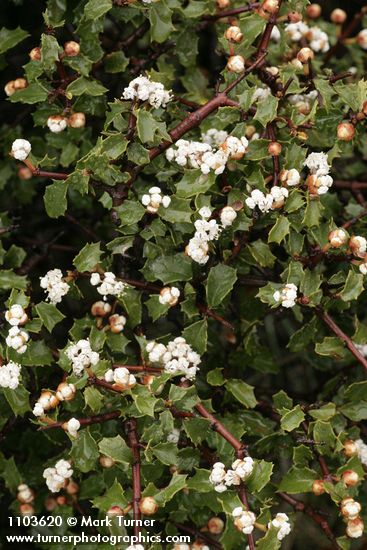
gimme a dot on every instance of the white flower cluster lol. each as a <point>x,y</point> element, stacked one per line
<point>281,522</point>
<point>72,426</point>
<point>227,216</point>
<point>154,199</point>
<point>261,94</point>
<point>206,231</point>
<point>287,295</point>
<point>45,402</point>
<point>81,356</point>
<point>358,246</point>
<point>271,201</point>
<point>244,520</point>
<point>318,39</point>
<point>17,339</point>
<point>275,34</point>
<point>214,137</point>
<point>9,375</point>
<point>57,476</point>
<point>25,494</point>
<point>177,357</point>
<point>16,315</point>
<point>361,450</point>
<point>57,123</point>
<point>222,478</point>
<point>109,285</point>
<point>65,391</point>
<point>144,89</point>
<point>350,508</point>
<point>303,102</point>
<point>319,181</point>
<point>121,377</point>
<point>174,436</point>
<point>54,285</point>
<point>20,149</point>
<point>207,157</point>
<point>290,177</point>
<point>169,296</point>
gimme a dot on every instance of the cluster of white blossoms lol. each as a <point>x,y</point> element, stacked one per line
<point>9,375</point>
<point>17,338</point>
<point>81,356</point>
<point>154,199</point>
<point>108,285</point>
<point>286,295</point>
<point>57,123</point>
<point>169,296</point>
<point>214,137</point>
<point>208,156</point>
<point>358,246</point>
<point>318,39</point>
<point>281,522</point>
<point>72,426</point>
<point>45,402</point>
<point>121,377</point>
<point>177,357</point>
<point>65,391</point>
<point>20,149</point>
<point>56,477</point>
<point>16,315</point>
<point>271,201</point>
<point>222,478</point>
<point>244,520</point>
<point>25,494</point>
<point>351,509</point>
<point>227,216</point>
<point>303,102</point>
<point>144,89</point>
<point>54,285</point>
<point>261,94</point>
<point>206,231</point>
<point>319,181</point>
<point>290,178</point>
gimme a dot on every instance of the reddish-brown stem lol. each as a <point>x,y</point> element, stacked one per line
<point>53,175</point>
<point>141,284</point>
<point>249,70</point>
<point>322,462</point>
<point>242,493</point>
<point>230,13</point>
<point>210,313</point>
<point>316,517</point>
<point>198,535</point>
<point>134,36</point>
<point>347,32</point>
<point>340,334</point>
<point>139,368</point>
<point>97,419</point>
<point>133,441</point>
<point>355,219</point>
<point>220,428</point>
<point>265,39</point>
<point>276,163</point>
<point>351,185</point>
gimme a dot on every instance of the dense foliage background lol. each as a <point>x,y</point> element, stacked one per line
<point>283,385</point>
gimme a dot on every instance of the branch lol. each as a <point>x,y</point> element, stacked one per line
<point>348,31</point>
<point>230,13</point>
<point>198,534</point>
<point>340,334</point>
<point>218,427</point>
<point>133,441</point>
<point>97,419</point>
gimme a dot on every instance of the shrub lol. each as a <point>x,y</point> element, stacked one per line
<point>183,269</point>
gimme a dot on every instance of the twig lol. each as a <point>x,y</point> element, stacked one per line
<point>97,419</point>
<point>347,32</point>
<point>133,441</point>
<point>210,313</point>
<point>199,535</point>
<point>230,13</point>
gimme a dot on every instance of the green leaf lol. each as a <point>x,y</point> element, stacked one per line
<point>197,335</point>
<point>49,315</point>
<point>148,127</point>
<point>34,93</point>
<point>116,62</point>
<point>144,400</point>
<point>194,183</point>
<point>355,411</point>
<point>279,231</point>
<point>114,496</point>
<point>84,451</point>
<point>88,257</point>
<point>221,280</point>
<point>82,86</point>
<point>93,399</point>
<point>313,212</point>
<point>10,38</point>
<point>55,199</point>
<point>130,212</point>
<point>266,110</point>
<point>131,300</point>
<point>244,393</point>
<point>49,52</point>
<point>165,453</point>
<point>179,211</point>
<point>270,540</point>
<point>10,280</point>
<point>261,253</point>
<point>18,400</point>
<point>10,473</point>
<point>353,286</point>
<point>94,9</point>
<point>177,483</point>
<point>325,436</point>
<point>356,392</point>
<point>298,480</point>
<point>260,476</point>
<point>115,448</point>
<point>160,21</point>
<point>168,269</point>
<point>292,419</point>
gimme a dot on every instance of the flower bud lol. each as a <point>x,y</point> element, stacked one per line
<point>117,323</point>
<point>318,487</point>
<point>148,506</point>
<point>346,131</point>
<point>9,88</point>
<point>355,528</point>
<point>100,309</point>
<point>338,16</point>
<point>26,510</point>
<point>77,120</point>
<point>71,48</point>
<point>236,64</point>
<point>48,400</point>
<point>15,85</point>
<point>25,494</point>
<point>338,238</point>
<point>106,461</point>
<point>24,173</point>
<point>362,39</point>
<point>250,131</point>
<point>50,504</point>
<point>147,379</point>
<point>72,487</point>
<point>274,149</point>
<point>364,108</point>
<point>305,55</point>
<point>35,54</point>
<point>65,391</point>
<point>215,526</point>
<point>350,448</point>
<point>234,34</point>
<point>274,71</point>
<point>223,4</point>
<point>350,508</point>
<point>350,478</point>
<point>61,500</point>
<point>313,11</point>
<point>270,6</point>
<point>297,64</point>
<point>358,246</point>
<point>294,17</point>
<point>115,511</point>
